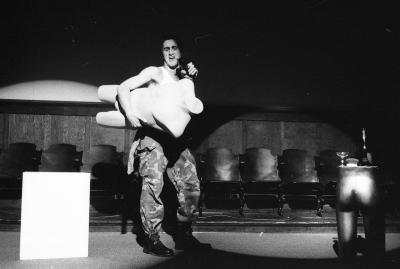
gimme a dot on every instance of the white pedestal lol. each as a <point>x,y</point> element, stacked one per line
<point>54,215</point>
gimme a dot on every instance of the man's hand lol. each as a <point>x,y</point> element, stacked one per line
<point>135,121</point>
<point>192,70</point>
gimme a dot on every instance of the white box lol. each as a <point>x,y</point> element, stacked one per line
<point>54,215</point>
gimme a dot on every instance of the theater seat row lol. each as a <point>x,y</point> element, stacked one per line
<point>259,179</point>
<point>253,178</point>
<point>103,162</point>
<point>256,179</point>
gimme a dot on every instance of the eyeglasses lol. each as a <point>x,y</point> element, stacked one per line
<point>167,49</point>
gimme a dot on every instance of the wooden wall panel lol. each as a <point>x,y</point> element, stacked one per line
<point>263,134</point>
<point>46,132</point>
<point>333,137</point>
<point>3,131</point>
<point>103,135</point>
<point>21,128</point>
<point>27,128</point>
<point>238,134</point>
<point>229,135</point>
<point>55,131</point>
<point>301,135</point>
<point>70,129</point>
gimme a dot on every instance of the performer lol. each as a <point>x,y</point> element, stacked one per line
<point>156,152</point>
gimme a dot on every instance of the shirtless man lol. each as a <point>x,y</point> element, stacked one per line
<point>157,152</point>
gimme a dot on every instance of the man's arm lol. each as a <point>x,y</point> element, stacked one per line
<point>145,76</point>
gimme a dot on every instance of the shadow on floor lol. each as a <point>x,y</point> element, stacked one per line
<point>222,259</point>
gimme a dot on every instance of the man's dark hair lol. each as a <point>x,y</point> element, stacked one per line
<point>173,37</point>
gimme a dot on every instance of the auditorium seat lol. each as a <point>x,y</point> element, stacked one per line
<point>106,169</point>
<point>62,147</point>
<point>67,149</point>
<point>19,157</point>
<point>301,187</point>
<point>220,180</point>
<point>23,147</point>
<point>61,158</point>
<point>16,159</point>
<point>327,166</point>
<point>261,182</point>
<point>104,164</point>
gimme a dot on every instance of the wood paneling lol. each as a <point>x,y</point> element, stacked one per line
<point>229,135</point>
<point>26,128</point>
<point>263,134</point>
<point>236,134</point>
<point>336,138</point>
<point>300,135</point>
<point>52,108</point>
<point>103,135</point>
<point>3,130</point>
<point>72,130</point>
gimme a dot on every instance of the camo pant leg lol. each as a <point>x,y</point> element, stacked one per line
<point>152,164</point>
<point>183,175</point>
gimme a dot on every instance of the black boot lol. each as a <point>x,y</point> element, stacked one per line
<point>184,239</point>
<point>152,245</point>
<point>140,236</point>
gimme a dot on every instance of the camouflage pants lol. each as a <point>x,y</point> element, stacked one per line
<point>152,163</point>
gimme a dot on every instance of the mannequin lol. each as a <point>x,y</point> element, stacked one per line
<point>358,190</point>
<point>164,107</point>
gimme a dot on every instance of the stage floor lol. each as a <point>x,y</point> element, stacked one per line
<point>213,220</point>
<point>230,250</point>
<point>257,239</point>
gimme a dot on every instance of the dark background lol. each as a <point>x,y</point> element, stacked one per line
<point>306,53</point>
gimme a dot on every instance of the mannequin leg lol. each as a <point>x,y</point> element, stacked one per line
<point>374,224</point>
<point>347,233</point>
